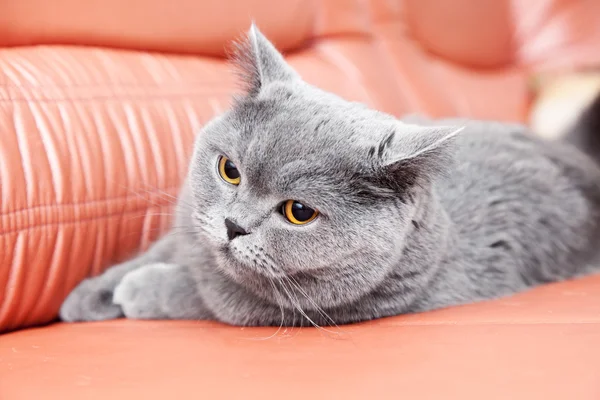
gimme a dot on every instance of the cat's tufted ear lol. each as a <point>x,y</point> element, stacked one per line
<point>412,154</point>
<point>259,62</point>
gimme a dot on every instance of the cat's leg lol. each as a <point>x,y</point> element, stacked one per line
<point>160,291</point>
<point>92,299</point>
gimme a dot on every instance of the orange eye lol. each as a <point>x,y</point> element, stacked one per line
<point>229,171</point>
<point>298,213</point>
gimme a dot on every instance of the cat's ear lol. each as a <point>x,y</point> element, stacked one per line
<point>259,62</point>
<point>412,154</point>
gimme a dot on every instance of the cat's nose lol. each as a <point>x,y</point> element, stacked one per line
<point>233,229</point>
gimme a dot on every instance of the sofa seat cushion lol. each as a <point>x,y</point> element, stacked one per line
<point>541,344</point>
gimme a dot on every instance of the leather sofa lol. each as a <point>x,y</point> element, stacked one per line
<point>99,105</point>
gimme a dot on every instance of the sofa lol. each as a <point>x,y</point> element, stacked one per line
<point>100,102</point>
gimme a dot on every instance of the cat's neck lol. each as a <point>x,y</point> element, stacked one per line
<point>429,241</point>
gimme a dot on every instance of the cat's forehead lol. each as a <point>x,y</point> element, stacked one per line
<point>275,135</point>
<point>294,124</point>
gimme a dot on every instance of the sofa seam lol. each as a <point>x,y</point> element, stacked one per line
<point>50,207</point>
<point>81,219</point>
<point>91,202</point>
<point>142,96</point>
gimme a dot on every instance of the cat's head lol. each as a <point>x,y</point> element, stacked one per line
<point>294,180</point>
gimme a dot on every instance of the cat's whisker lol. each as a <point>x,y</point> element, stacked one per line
<point>280,304</point>
<point>325,317</point>
<point>299,288</point>
<point>169,195</point>
<point>296,304</point>
<point>189,232</point>
<point>153,192</point>
<point>179,228</point>
<point>161,194</point>
<point>143,215</point>
<point>293,324</point>
<point>270,263</point>
<point>281,308</point>
<point>177,200</point>
<point>169,198</point>
<point>319,309</point>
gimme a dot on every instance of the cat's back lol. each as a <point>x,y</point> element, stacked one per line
<point>514,198</point>
<point>504,168</point>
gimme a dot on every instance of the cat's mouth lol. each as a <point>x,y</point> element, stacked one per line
<point>246,263</point>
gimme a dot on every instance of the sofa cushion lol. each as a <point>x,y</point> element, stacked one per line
<point>538,345</point>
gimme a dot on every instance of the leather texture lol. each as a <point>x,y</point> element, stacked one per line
<point>99,105</point>
<point>537,345</point>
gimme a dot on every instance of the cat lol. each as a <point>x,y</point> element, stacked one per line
<point>302,208</point>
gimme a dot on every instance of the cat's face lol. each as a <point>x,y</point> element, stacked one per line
<point>293,180</point>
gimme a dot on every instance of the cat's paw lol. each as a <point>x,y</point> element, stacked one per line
<point>91,300</point>
<point>141,292</point>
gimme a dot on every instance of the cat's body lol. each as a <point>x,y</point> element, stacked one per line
<point>523,212</point>
<point>411,217</point>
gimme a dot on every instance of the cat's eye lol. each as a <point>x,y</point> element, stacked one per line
<point>298,213</point>
<point>229,171</point>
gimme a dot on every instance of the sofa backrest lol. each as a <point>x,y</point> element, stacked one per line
<point>100,101</point>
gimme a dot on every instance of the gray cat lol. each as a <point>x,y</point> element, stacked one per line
<point>302,208</point>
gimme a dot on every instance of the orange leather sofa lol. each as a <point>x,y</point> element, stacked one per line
<point>99,102</point>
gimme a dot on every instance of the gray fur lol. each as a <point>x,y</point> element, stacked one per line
<point>413,216</point>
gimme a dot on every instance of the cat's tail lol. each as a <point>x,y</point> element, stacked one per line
<point>585,133</point>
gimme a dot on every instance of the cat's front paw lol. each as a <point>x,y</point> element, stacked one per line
<point>141,293</point>
<point>91,300</point>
